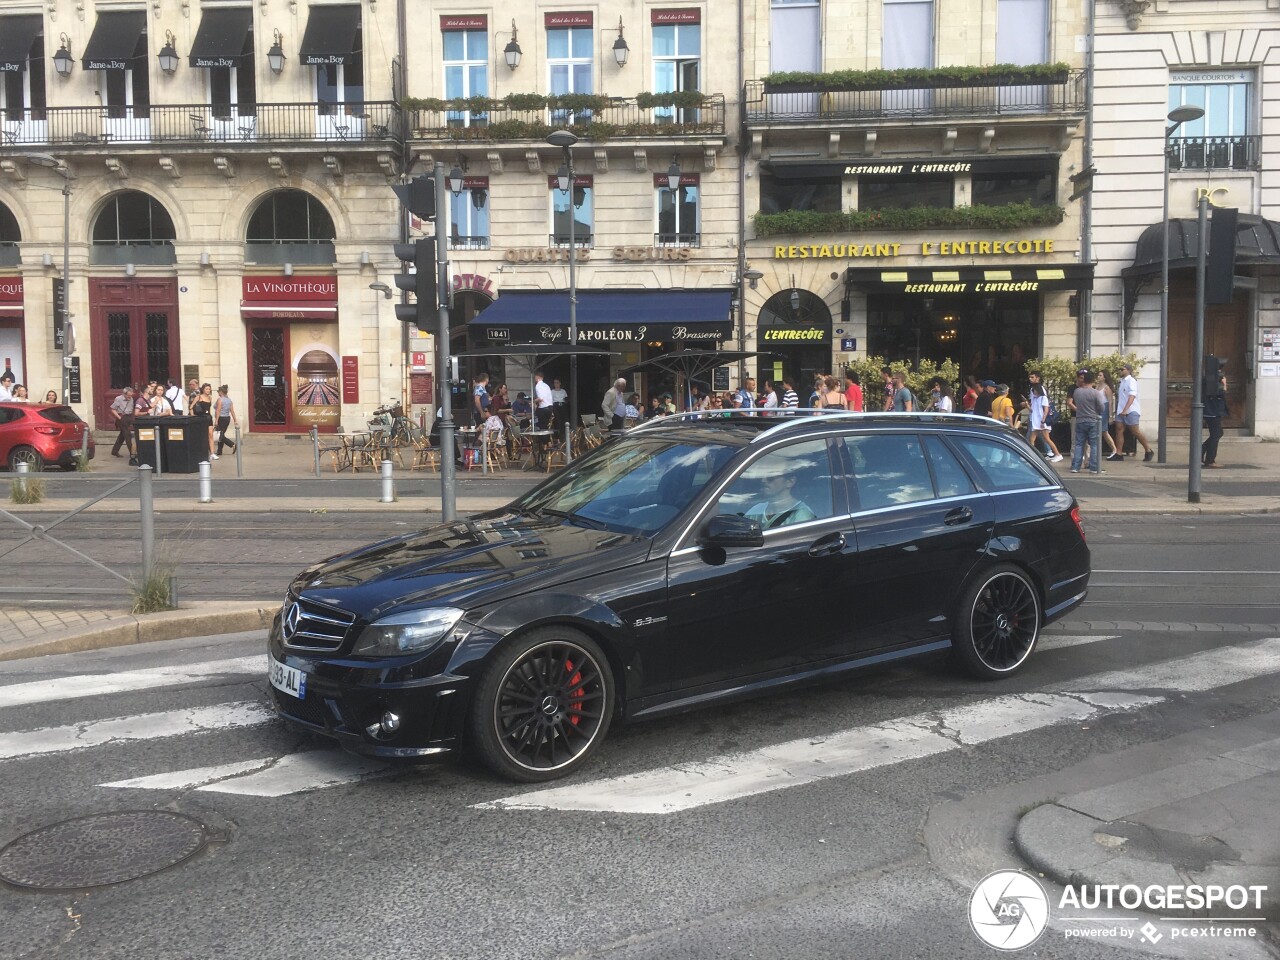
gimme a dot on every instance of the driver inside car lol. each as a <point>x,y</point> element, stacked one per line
<point>780,507</point>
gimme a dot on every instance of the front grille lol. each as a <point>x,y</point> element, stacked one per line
<point>315,626</point>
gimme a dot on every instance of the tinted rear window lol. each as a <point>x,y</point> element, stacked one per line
<point>60,415</point>
<point>1002,466</point>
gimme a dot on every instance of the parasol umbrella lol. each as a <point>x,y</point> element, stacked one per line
<point>690,364</point>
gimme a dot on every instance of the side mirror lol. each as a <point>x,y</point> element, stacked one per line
<point>731,530</point>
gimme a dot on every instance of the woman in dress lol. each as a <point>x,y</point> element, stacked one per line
<point>202,409</point>
<point>1039,410</point>
<point>832,397</point>
<point>1108,410</point>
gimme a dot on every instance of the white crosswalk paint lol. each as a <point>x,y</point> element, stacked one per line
<point>126,681</point>
<point>1052,641</point>
<point>268,776</point>
<point>146,726</point>
<point>732,776</point>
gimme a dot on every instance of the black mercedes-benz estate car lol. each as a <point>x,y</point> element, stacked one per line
<point>694,559</point>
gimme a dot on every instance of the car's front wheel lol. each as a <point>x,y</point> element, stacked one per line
<point>997,622</point>
<point>543,705</point>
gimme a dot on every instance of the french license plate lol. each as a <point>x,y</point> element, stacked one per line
<point>287,679</point>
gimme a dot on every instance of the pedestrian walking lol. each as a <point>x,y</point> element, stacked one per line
<point>480,399</point>
<point>904,401</point>
<point>1086,402</point>
<point>176,397</point>
<point>832,397</point>
<point>887,389</point>
<point>1109,411</point>
<point>852,390</point>
<point>1041,429</point>
<point>226,416</point>
<point>745,398</point>
<point>122,415</point>
<point>982,405</point>
<point>1002,406</point>
<point>940,397</point>
<point>789,396</point>
<point>202,410</point>
<point>1129,415</point>
<point>971,391</point>
<point>770,399</point>
<point>1215,410</point>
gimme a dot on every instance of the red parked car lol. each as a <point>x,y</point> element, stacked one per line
<point>39,434</point>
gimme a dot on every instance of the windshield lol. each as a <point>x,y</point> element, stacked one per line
<point>632,485</point>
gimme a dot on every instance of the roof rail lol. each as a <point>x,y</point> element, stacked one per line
<point>835,412</point>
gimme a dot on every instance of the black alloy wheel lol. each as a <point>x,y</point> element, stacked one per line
<point>998,622</point>
<point>543,705</point>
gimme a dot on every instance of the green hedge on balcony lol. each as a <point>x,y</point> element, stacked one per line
<point>1005,217</point>
<point>995,74</point>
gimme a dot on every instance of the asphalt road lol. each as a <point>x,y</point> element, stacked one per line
<point>321,856</point>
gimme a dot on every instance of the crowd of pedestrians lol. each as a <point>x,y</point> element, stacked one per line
<point>152,399</point>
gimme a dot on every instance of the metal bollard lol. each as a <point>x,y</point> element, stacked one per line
<point>206,482</point>
<point>146,512</point>
<point>315,447</point>
<point>568,443</point>
<point>388,483</point>
<point>484,451</point>
<point>84,449</point>
<point>21,482</point>
<point>239,447</point>
<point>159,466</point>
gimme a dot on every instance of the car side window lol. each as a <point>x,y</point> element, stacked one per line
<point>785,486</point>
<point>8,415</point>
<point>1002,466</point>
<point>889,469</point>
<point>948,474</point>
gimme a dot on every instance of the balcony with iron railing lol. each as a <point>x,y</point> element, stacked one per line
<point>1062,94</point>
<point>1215,153</point>
<point>468,243</point>
<point>581,239</point>
<point>598,118</point>
<point>676,239</point>
<point>196,125</point>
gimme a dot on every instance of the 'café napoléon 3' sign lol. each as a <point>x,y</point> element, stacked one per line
<point>928,248</point>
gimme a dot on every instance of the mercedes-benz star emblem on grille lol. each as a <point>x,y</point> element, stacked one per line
<point>289,626</point>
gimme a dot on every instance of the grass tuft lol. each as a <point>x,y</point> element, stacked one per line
<point>28,490</point>
<point>154,593</point>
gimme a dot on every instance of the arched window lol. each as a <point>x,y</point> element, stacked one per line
<point>795,308</point>
<point>10,237</point>
<point>133,227</point>
<point>290,226</point>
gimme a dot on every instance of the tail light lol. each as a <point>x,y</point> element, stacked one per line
<point>48,431</point>
<point>1075,516</point>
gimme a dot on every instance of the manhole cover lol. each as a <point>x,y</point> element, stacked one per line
<point>101,849</point>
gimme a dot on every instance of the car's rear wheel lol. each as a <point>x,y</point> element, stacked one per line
<point>27,455</point>
<point>543,705</point>
<point>997,622</point>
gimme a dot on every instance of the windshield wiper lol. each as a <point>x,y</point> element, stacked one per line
<point>576,518</point>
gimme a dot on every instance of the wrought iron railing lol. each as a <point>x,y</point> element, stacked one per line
<point>581,238</point>
<point>621,119</point>
<point>771,104</point>
<point>675,239</point>
<point>468,243</point>
<point>202,123</point>
<point>1215,153</point>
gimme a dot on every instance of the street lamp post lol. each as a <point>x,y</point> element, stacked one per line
<point>1177,117</point>
<point>60,168</point>
<point>565,181</point>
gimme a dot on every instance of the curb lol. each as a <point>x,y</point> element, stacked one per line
<point>205,620</point>
<point>1076,850</point>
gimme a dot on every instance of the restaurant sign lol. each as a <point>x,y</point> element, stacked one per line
<point>619,254</point>
<point>627,333</point>
<point>793,335</point>
<point>994,246</point>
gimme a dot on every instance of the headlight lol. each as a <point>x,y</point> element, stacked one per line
<point>410,632</point>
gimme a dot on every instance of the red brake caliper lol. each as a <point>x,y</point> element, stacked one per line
<point>575,710</point>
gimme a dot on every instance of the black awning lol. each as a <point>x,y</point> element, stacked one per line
<point>924,166</point>
<point>984,280</point>
<point>609,316</point>
<point>16,36</point>
<point>220,41</point>
<point>332,35</point>
<point>114,40</point>
<point>1257,241</point>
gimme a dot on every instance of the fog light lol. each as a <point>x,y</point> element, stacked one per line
<point>390,722</point>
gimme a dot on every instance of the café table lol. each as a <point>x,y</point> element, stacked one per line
<point>538,440</point>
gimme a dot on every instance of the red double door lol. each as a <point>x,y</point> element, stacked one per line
<point>133,333</point>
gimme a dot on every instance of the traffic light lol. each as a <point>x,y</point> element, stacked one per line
<point>422,283</point>
<point>418,196</point>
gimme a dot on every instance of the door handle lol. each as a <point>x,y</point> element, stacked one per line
<point>828,546</point>
<point>958,516</point>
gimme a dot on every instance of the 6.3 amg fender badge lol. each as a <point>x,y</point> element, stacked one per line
<point>648,621</point>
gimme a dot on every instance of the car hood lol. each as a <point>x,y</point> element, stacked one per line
<point>467,563</point>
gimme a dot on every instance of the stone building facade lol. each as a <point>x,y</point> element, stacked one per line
<point>1221,58</point>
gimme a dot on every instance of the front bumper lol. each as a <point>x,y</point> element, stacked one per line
<point>345,697</point>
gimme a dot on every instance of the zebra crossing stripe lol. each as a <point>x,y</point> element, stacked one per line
<point>146,726</point>
<point>126,681</point>
<point>733,776</point>
<point>267,776</point>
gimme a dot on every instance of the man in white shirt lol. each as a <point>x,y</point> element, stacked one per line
<point>177,399</point>
<point>6,386</point>
<point>542,402</point>
<point>614,404</point>
<point>1128,413</point>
